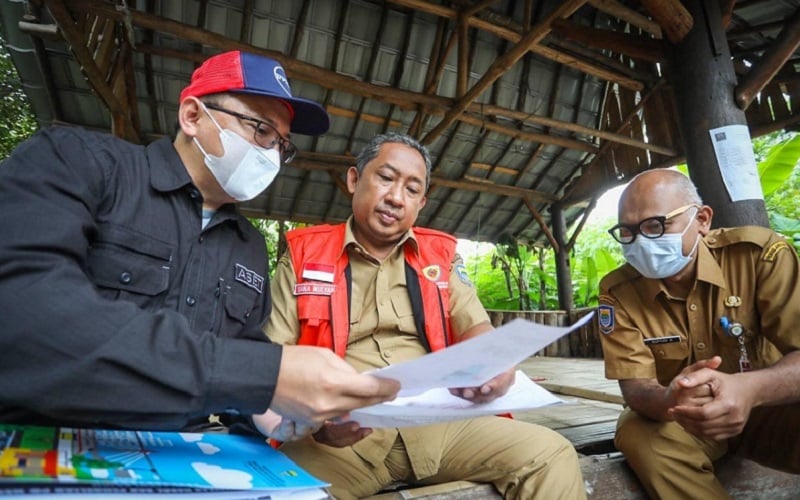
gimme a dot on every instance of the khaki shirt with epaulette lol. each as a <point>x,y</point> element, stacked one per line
<point>748,275</point>
<point>382,332</point>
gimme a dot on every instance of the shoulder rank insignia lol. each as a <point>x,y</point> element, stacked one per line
<point>605,317</point>
<point>772,251</point>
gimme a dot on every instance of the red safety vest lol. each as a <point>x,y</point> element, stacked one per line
<point>322,269</point>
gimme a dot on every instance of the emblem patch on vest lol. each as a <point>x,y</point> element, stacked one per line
<point>461,272</point>
<point>318,272</point>
<point>605,317</point>
<point>314,289</point>
<point>432,272</point>
<point>250,278</point>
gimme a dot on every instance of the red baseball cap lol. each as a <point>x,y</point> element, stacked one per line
<point>247,73</point>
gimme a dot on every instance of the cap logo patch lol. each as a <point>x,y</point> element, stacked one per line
<point>280,77</point>
<point>605,317</point>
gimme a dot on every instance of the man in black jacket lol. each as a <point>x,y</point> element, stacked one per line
<point>132,292</point>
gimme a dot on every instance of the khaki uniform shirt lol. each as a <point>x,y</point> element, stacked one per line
<point>382,332</point>
<point>749,275</point>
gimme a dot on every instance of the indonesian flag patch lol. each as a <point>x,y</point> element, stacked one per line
<point>318,272</point>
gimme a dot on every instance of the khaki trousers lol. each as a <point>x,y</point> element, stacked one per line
<point>524,461</point>
<point>673,464</point>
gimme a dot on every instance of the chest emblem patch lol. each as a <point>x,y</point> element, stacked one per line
<point>733,301</point>
<point>605,317</point>
<point>249,278</point>
<point>432,272</point>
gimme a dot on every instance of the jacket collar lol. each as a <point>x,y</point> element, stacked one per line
<point>168,174</point>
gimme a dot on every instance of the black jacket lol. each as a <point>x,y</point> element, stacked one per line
<point>115,307</point>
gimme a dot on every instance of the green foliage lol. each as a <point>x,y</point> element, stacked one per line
<point>273,232</point>
<point>17,122</point>
<point>777,167</point>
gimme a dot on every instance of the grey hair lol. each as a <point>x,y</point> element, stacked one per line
<point>373,147</point>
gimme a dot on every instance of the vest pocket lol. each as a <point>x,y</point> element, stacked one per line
<point>313,309</point>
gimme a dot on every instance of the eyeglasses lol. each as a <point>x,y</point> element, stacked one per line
<point>651,227</point>
<point>265,135</point>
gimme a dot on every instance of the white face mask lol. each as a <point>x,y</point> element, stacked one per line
<point>660,257</point>
<point>243,170</point>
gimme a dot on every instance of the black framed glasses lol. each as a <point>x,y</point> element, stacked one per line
<point>264,134</point>
<point>651,227</point>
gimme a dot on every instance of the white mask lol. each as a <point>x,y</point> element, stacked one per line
<point>243,170</point>
<point>661,257</point>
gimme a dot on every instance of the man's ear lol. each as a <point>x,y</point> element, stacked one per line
<point>352,179</point>
<point>189,112</point>
<point>704,216</point>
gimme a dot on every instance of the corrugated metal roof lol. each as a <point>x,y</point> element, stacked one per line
<point>557,114</point>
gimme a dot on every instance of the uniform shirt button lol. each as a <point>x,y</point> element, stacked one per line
<point>387,354</point>
<point>194,194</point>
<point>701,345</point>
<point>660,354</point>
<point>191,300</point>
<point>125,277</point>
<point>693,307</point>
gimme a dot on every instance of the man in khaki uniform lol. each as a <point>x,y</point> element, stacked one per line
<point>379,248</point>
<point>701,328</point>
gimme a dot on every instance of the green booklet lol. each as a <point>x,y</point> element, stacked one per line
<point>77,460</point>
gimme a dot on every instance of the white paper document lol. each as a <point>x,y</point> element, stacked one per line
<point>438,405</point>
<point>475,361</point>
<point>737,163</point>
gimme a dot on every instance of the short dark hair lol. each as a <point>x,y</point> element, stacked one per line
<point>373,147</point>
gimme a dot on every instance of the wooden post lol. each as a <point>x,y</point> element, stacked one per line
<point>563,275</point>
<point>703,79</point>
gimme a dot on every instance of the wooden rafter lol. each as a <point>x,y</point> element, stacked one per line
<point>770,63</point>
<point>502,64</point>
<point>515,36</point>
<point>404,99</point>
<point>121,123</point>
<point>615,9</point>
<point>636,46</point>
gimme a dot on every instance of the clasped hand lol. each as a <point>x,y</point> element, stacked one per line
<point>708,403</point>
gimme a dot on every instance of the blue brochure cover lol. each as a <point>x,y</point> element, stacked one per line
<point>143,458</point>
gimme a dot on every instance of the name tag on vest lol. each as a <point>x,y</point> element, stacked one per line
<point>314,289</point>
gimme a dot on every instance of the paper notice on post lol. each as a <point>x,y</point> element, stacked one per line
<point>737,162</point>
<point>438,405</point>
<point>475,361</point>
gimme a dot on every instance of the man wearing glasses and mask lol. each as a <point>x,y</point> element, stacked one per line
<point>133,292</point>
<point>700,327</point>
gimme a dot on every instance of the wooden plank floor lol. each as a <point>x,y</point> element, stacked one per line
<point>592,403</point>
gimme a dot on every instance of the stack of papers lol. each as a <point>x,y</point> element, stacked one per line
<point>424,397</point>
